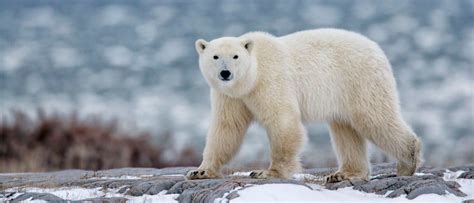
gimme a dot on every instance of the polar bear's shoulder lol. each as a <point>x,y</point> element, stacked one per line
<point>264,41</point>
<point>257,34</point>
<point>259,37</point>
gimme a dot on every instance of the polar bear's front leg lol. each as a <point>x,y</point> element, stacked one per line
<point>230,120</point>
<point>286,135</point>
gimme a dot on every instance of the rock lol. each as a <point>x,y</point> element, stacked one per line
<point>431,186</point>
<point>201,193</point>
<point>412,186</point>
<point>468,167</point>
<point>106,183</point>
<point>387,168</point>
<point>103,200</point>
<point>38,196</point>
<point>467,175</point>
<point>152,187</point>
<point>50,179</point>
<point>320,171</point>
<point>432,170</point>
<point>85,178</point>
<point>143,171</point>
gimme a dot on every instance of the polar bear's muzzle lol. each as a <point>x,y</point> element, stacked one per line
<point>225,75</point>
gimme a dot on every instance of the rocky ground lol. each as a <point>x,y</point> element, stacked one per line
<point>130,183</point>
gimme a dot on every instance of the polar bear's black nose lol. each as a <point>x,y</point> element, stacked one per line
<point>225,75</point>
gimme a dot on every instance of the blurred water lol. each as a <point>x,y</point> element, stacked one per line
<point>135,60</point>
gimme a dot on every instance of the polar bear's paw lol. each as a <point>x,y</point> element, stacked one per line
<point>265,174</point>
<point>335,177</point>
<point>201,174</point>
<point>341,176</point>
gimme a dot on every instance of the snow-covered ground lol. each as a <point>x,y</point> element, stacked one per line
<point>74,194</point>
<point>298,193</point>
<point>252,193</point>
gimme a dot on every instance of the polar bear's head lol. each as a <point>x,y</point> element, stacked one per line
<point>227,64</point>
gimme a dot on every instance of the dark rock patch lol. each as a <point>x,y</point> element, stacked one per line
<point>412,186</point>
<point>152,187</point>
<point>467,175</point>
<point>103,200</point>
<point>38,196</point>
<point>467,167</point>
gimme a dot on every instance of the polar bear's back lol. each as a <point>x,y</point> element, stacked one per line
<point>325,35</point>
<point>336,71</point>
<point>334,45</point>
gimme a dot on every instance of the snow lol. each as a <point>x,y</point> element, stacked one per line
<point>241,173</point>
<point>291,192</point>
<point>160,197</point>
<point>71,193</point>
<point>298,193</point>
<point>77,193</point>
<point>308,178</point>
<point>30,200</point>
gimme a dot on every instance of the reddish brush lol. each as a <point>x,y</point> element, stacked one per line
<point>54,142</point>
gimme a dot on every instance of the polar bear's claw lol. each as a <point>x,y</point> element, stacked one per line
<point>335,177</point>
<point>344,175</point>
<point>201,174</point>
<point>256,174</point>
<point>265,174</point>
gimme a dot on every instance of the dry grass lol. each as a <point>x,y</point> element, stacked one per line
<point>55,142</point>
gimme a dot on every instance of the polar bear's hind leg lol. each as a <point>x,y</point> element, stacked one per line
<point>392,135</point>
<point>351,151</point>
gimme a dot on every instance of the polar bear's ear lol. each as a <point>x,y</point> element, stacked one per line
<point>200,45</point>
<point>248,44</point>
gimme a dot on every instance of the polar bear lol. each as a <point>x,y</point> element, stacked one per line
<point>330,75</point>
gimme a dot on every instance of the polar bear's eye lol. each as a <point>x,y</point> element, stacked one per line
<point>236,57</point>
<point>216,57</point>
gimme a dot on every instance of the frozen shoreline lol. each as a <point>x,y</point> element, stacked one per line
<point>169,185</point>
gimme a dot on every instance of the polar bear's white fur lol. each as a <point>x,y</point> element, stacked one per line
<point>329,75</point>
